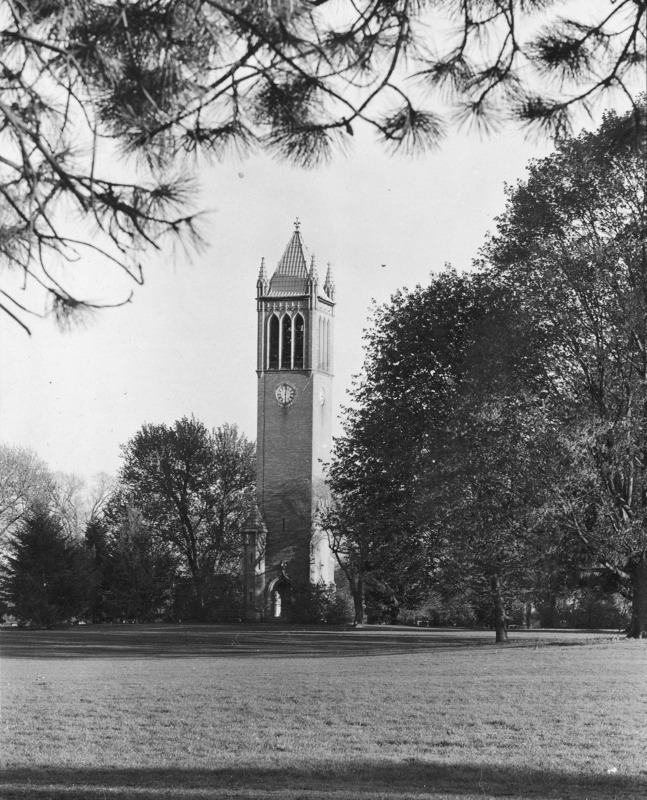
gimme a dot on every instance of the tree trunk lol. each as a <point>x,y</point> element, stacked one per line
<point>358,602</point>
<point>500,617</point>
<point>638,626</point>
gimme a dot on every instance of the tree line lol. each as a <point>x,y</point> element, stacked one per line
<point>163,543</point>
<point>494,451</point>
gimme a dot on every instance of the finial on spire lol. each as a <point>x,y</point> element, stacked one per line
<point>262,275</point>
<point>297,224</point>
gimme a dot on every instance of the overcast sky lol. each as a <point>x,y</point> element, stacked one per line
<point>187,343</point>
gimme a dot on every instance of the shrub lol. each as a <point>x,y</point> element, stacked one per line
<point>317,604</point>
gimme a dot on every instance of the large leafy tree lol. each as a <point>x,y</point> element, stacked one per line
<point>436,482</point>
<point>570,253</point>
<point>400,403</point>
<point>46,577</point>
<point>82,82</point>
<point>194,489</point>
<point>493,467</point>
<point>486,484</point>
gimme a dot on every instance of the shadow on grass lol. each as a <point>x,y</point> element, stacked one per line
<point>361,779</point>
<point>267,641</point>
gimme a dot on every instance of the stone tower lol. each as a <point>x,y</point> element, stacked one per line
<point>283,548</point>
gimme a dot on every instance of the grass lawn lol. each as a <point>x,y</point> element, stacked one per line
<point>152,712</point>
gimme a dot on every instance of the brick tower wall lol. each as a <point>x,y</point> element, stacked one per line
<point>284,453</point>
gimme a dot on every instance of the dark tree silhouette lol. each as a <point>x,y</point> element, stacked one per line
<point>414,348</point>
<point>46,577</point>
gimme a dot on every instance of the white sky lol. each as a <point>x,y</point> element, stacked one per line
<point>187,343</point>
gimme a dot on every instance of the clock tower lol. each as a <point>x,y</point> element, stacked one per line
<point>284,550</point>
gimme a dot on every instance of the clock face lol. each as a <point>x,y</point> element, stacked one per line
<point>322,395</point>
<point>285,393</point>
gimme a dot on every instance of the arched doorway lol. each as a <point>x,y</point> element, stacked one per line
<point>279,594</point>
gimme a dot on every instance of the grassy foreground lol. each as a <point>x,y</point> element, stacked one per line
<point>158,712</point>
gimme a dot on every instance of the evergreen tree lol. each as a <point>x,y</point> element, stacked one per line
<point>46,578</point>
<point>138,570</point>
<point>96,543</point>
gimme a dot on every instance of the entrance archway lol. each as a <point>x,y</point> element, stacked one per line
<point>279,592</point>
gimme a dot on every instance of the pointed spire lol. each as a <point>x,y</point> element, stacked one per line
<point>291,274</point>
<point>312,275</point>
<point>262,284</point>
<point>329,283</point>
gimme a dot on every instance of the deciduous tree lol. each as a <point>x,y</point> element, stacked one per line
<point>25,481</point>
<point>194,489</point>
<point>414,348</point>
<point>570,253</point>
<point>68,502</point>
<point>486,485</point>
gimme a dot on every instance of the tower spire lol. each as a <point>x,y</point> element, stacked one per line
<point>291,274</point>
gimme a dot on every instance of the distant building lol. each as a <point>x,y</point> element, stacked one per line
<point>283,548</point>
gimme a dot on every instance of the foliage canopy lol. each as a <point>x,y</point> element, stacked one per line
<point>192,489</point>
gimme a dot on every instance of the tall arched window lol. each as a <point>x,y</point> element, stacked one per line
<point>299,331</point>
<point>286,344</point>
<point>273,344</point>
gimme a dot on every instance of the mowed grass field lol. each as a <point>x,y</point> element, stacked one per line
<point>158,712</point>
